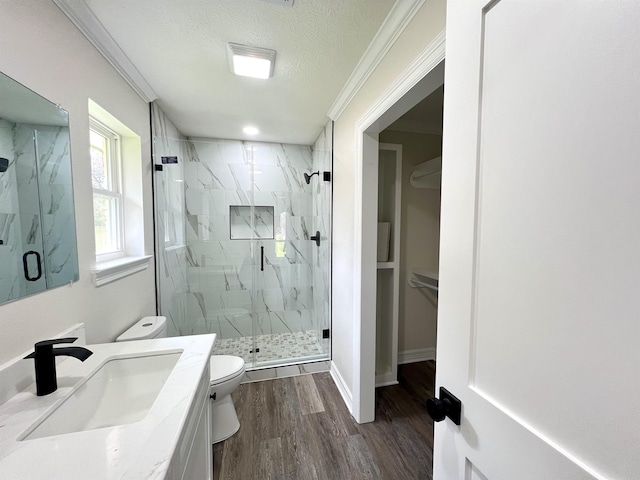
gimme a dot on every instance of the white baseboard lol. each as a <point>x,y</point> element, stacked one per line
<point>386,383</point>
<point>342,387</point>
<point>418,355</point>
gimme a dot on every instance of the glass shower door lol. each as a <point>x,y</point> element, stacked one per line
<point>322,215</point>
<point>288,328</point>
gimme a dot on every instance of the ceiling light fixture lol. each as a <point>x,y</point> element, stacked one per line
<point>251,61</point>
<point>249,130</point>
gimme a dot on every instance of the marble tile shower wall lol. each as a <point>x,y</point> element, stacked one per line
<point>225,285</point>
<point>11,285</point>
<point>170,226</point>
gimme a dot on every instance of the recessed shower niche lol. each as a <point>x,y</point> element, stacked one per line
<point>250,223</point>
<point>236,257</point>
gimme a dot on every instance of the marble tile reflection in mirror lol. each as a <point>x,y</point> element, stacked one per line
<point>38,248</point>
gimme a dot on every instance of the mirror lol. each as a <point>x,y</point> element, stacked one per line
<point>38,247</point>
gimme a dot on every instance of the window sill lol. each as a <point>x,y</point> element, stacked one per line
<point>107,272</point>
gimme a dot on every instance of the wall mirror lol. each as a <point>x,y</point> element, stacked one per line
<point>38,248</point>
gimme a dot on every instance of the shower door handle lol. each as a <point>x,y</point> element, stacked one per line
<point>316,238</point>
<point>25,266</point>
<point>262,259</point>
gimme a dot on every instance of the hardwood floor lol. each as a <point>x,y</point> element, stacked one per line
<point>299,428</point>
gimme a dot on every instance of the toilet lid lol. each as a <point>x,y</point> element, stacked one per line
<point>148,327</point>
<point>224,367</point>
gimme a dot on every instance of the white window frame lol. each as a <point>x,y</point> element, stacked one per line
<point>132,256</point>
<point>114,155</point>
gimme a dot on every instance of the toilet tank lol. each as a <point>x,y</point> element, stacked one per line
<point>148,327</point>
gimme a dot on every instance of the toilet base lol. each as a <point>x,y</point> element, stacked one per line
<point>224,420</point>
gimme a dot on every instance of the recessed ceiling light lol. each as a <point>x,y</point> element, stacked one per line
<point>250,130</point>
<point>251,61</point>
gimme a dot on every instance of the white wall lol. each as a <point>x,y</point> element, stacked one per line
<point>420,241</point>
<point>44,51</point>
<point>423,28</point>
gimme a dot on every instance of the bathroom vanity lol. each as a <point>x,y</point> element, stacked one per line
<point>132,410</point>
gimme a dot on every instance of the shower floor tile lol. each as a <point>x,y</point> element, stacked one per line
<point>273,347</point>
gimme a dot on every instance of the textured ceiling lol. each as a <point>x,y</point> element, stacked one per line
<point>179,47</point>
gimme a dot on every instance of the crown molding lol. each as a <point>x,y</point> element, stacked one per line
<point>392,27</point>
<point>429,59</point>
<point>83,18</point>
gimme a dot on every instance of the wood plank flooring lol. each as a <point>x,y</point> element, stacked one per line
<point>299,429</point>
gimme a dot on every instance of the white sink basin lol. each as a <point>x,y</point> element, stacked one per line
<point>120,392</point>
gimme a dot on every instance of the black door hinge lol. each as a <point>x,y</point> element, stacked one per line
<point>325,333</point>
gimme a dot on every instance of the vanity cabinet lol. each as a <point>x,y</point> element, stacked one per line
<point>192,458</point>
<point>146,417</point>
<point>199,461</point>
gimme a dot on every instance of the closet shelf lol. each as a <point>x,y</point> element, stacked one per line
<point>421,278</point>
<point>427,174</point>
<point>386,265</point>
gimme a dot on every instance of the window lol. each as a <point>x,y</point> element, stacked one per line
<point>118,203</point>
<point>106,168</point>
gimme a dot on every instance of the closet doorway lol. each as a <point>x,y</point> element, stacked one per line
<point>374,128</point>
<point>409,175</point>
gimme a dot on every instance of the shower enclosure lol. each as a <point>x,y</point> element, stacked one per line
<point>244,245</point>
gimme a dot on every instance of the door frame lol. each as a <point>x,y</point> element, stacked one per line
<point>423,76</point>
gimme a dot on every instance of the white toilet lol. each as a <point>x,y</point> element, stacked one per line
<point>226,374</point>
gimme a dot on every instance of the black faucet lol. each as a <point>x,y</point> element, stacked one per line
<point>44,356</point>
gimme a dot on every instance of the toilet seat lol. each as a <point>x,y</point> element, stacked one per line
<point>225,367</point>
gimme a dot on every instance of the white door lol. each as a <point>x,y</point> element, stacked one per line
<point>539,303</point>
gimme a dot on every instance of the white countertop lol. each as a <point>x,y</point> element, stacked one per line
<point>142,450</point>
